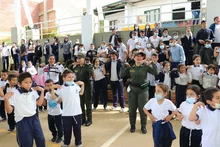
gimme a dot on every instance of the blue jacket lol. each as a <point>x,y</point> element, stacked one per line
<point>212,27</point>
<point>108,68</point>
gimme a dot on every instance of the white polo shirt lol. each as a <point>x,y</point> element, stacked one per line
<point>143,41</point>
<point>52,105</point>
<point>5,51</point>
<point>98,72</point>
<point>186,108</point>
<point>2,84</point>
<point>114,76</point>
<point>155,41</point>
<point>196,71</point>
<point>160,111</point>
<point>32,70</point>
<point>24,104</point>
<point>131,42</point>
<point>210,121</point>
<point>121,52</point>
<point>71,100</point>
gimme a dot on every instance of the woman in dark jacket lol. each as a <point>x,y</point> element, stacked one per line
<point>55,48</point>
<point>188,43</point>
<point>148,31</point>
<point>136,28</point>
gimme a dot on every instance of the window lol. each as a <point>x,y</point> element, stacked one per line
<point>113,24</point>
<point>152,15</point>
<point>179,15</point>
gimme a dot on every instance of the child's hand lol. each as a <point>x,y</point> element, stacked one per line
<point>199,104</point>
<point>179,116</point>
<point>168,118</point>
<point>152,118</point>
<point>8,95</point>
<point>38,88</point>
<point>198,122</point>
<point>80,83</point>
<point>56,86</point>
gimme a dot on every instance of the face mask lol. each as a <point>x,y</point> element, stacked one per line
<point>155,34</point>
<point>217,106</point>
<point>158,96</point>
<point>133,37</point>
<point>147,27</point>
<point>165,35</point>
<point>136,28</point>
<point>171,44</point>
<point>137,46</point>
<point>162,47</point>
<point>175,37</point>
<point>103,46</point>
<point>191,100</point>
<point>31,42</point>
<point>69,83</point>
<point>148,45</point>
<point>208,46</point>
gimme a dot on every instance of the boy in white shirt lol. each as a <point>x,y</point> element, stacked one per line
<point>3,81</point>
<point>31,69</point>
<point>71,114</point>
<point>24,101</point>
<point>54,113</point>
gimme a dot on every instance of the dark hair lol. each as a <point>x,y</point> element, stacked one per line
<point>51,55</point>
<point>91,43</point>
<point>208,94</point>
<point>93,61</point>
<point>180,65</point>
<point>165,29</point>
<point>49,81</point>
<point>164,87</point>
<point>11,76</point>
<point>211,66</point>
<point>119,39</point>
<point>110,44</point>
<point>5,70</point>
<point>207,41</point>
<point>23,76</point>
<point>172,39</point>
<point>154,54</point>
<point>66,72</point>
<point>165,62</point>
<point>216,17</point>
<point>203,21</point>
<point>194,88</point>
<point>196,56</point>
<point>141,31</point>
<point>37,41</point>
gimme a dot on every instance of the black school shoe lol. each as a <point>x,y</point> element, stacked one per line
<point>10,130</point>
<point>143,130</point>
<point>54,139</point>
<point>88,123</point>
<point>58,140</point>
<point>132,129</point>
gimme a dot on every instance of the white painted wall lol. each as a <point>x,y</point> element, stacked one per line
<point>117,16</point>
<point>211,12</point>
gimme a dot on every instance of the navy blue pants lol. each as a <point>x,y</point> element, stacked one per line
<point>118,91</point>
<point>187,141</point>
<point>29,128</point>
<point>55,125</point>
<point>46,57</point>
<point>25,59</point>
<point>5,62</point>
<point>16,59</point>
<point>36,59</point>
<point>100,91</point>
<point>56,57</point>
<point>11,120</point>
<point>180,94</point>
<point>30,57</point>
<point>72,123</point>
<point>66,57</point>
<point>2,109</point>
<point>151,91</point>
<point>174,64</point>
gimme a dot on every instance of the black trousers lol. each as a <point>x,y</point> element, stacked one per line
<point>188,139</point>
<point>16,59</point>
<point>72,123</point>
<point>5,62</point>
<point>55,125</point>
<point>180,94</point>
<point>11,120</point>
<point>36,59</point>
<point>151,91</point>
<point>66,57</point>
<point>30,57</point>
<point>2,109</point>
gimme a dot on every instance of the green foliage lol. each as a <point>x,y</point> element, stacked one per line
<point>53,34</point>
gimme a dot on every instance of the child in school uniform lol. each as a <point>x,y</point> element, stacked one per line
<point>209,117</point>
<point>54,113</point>
<point>163,134</point>
<point>190,132</point>
<point>3,82</point>
<point>196,69</point>
<point>31,69</point>
<point>181,84</point>
<point>209,79</point>
<point>11,86</point>
<point>69,94</point>
<point>24,101</point>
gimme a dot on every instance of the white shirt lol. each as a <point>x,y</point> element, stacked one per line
<point>114,76</point>
<point>76,50</point>
<point>103,56</point>
<point>167,38</point>
<point>155,42</point>
<point>184,79</point>
<point>32,70</point>
<point>151,78</point>
<point>52,109</point>
<point>32,47</point>
<point>24,104</point>
<point>98,72</point>
<point>113,40</point>
<point>131,42</point>
<point>217,34</point>
<point>14,50</point>
<point>121,51</point>
<point>167,80</point>
<point>149,52</point>
<point>160,111</point>
<point>186,108</point>
<point>196,72</point>
<point>210,121</point>
<point>5,51</point>
<point>143,40</point>
<point>71,100</point>
<point>2,84</point>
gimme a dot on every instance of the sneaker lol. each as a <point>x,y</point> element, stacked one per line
<point>79,145</point>
<point>94,109</point>
<point>64,145</point>
<point>114,108</point>
<point>105,108</point>
<point>1,118</point>
<point>122,110</point>
<point>58,140</point>
<point>53,139</point>
<point>10,130</point>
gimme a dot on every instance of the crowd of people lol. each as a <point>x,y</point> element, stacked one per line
<point>149,66</point>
